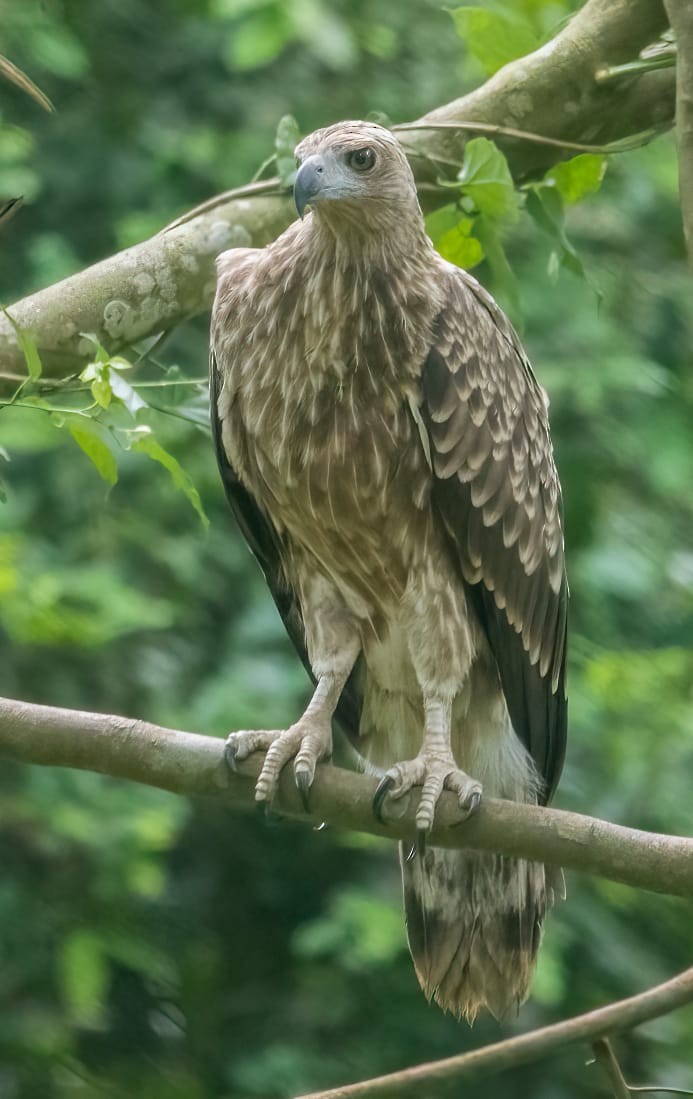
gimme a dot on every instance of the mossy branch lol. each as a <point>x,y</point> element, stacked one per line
<point>552,93</point>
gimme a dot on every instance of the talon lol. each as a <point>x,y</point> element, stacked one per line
<point>320,827</point>
<point>412,853</point>
<point>420,846</point>
<point>384,786</point>
<point>469,809</point>
<point>303,784</point>
<point>230,755</point>
<point>474,802</point>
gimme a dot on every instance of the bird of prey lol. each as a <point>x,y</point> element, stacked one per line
<point>385,449</point>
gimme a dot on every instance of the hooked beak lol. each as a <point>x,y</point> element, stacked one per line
<point>308,182</point>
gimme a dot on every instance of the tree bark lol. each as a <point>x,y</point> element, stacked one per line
<point>187,763</point>
<point>552,93</point>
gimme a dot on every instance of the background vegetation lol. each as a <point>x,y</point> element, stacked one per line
<point>153,947</point>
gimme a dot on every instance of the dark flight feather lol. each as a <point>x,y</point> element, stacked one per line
<point>498,496</point>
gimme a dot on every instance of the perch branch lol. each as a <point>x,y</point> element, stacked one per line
<point>188,763</point>
<point>427,1078</point>
<point>551,93</point>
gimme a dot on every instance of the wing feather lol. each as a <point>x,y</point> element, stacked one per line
<point>497,493</point>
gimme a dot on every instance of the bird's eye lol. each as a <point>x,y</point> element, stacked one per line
<point>361,160</point>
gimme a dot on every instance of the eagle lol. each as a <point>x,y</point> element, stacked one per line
<point>385,449</point>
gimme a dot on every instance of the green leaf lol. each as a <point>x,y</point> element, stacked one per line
<point>494,37</point>
<point>83,976</point>
<point>459,246</point>
<point>97,374</point>
<point>95,449</point>
<point>286,139</point>
<point>29,348</point>
<point>125,392</point>
<point>442,221</point>
<point>504,276</point>
<point>485,178</point>
<point>580,176</point>
<point>143,441</point>
<point>545,206</point>
<point>100,351</point>
<point>451,232</point>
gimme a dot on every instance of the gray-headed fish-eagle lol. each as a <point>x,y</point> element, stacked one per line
<point>385,449</point>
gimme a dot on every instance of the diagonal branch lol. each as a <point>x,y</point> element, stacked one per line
<point>552,93</point>
<point>434,1076</point>
<point>187,763</point>
<point>605,1056</point>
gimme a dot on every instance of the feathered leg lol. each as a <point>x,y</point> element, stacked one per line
<point>442,647</point>
<point>333,643</point>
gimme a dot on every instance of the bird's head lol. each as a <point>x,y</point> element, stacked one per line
<point>357,169</point>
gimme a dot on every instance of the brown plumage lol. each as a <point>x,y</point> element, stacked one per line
<point>385,449</point>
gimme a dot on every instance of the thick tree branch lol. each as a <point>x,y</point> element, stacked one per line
<point>428,1079</point>
<point>552,92</point>
<point>681,16</point>
<point>187,763</point>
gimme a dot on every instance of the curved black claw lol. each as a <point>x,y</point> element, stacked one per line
<point>320,827</point>
<point>420,845</point>
<point>384,786</point>
<point>474,803</point>
<point>230,755</point>
<point>471,808</point>
<point>303,784</point>
<point>412,853</point>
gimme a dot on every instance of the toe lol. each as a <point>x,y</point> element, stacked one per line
<point>468,792</point>
<point>432,789</point>
<point>231,752</point>
<point>277,755</point>
<point>238,747</point>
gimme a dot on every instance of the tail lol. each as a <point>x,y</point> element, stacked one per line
<point>474,920</point>
<point>474,926</point>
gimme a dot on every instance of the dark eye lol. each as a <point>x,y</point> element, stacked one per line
<point>361,160</point>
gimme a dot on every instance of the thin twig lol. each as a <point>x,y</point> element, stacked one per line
<point>526,135</point>
<point>426,1079</point>
<point>633,68</point>
<point>10,71</point>
<point>605,1056</point>
<point>265,187</point>
<point>654,1090</point>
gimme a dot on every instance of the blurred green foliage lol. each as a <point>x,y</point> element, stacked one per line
<point>153,947</point>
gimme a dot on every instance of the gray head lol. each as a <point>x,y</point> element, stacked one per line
<point>357,167</point>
